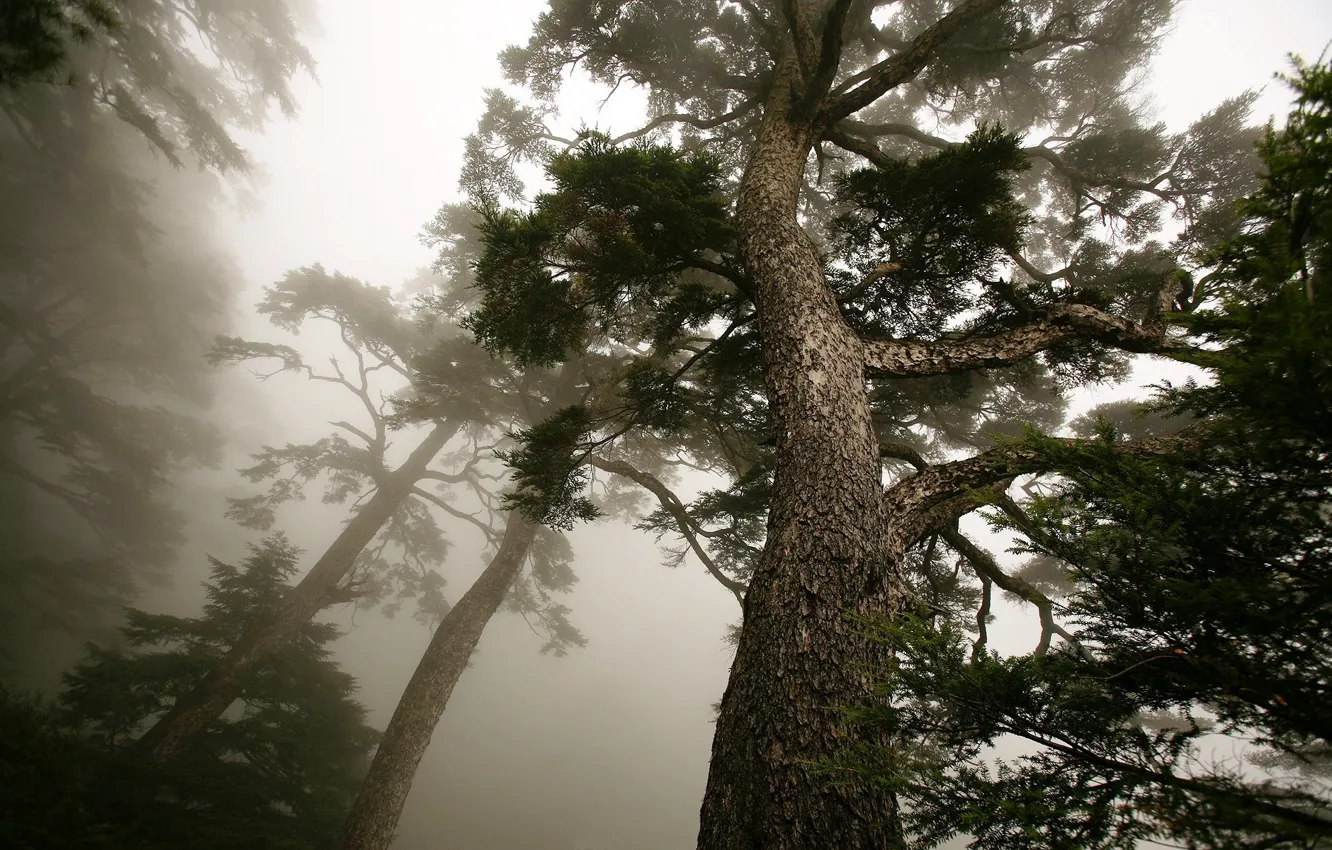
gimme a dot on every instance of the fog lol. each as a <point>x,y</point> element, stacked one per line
<point>608,746</point>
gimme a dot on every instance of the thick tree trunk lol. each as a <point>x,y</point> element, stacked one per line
<point>799,656</point>
<point>374,816</point>
<point>193,711</point>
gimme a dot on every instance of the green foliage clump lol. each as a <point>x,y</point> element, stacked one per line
<point>601,251</point>
<point>279,769</point>
<point>930,225</point>
<point>548,470</point>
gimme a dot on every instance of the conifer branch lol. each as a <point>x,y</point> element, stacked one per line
<point>746,105</point>
<point>985,566</point>
<point>921,504</point>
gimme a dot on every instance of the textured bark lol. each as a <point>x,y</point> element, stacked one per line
<point>799,656</point>
<point>374,816</point>
<point>905,358</point>
<point>193,711</point>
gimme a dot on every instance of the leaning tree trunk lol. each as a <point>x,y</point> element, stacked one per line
<point>374,816</point>
<point>193,711</point>
<point>799,656</point>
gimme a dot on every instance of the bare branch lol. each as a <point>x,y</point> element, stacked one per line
<point>673,506</point>
<point>987,568</point>
<point>435,500</point>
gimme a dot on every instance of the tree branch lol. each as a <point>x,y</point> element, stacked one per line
<point>746,105</point>
<point>486,530</point>
<point>920,504</point>
<point>904,66</point>
<point>830,56</point>
<point>986,567</point>
<point>673,506</point>
<point>904,358</point>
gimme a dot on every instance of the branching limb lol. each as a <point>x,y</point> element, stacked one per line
<point>920,504</point>
<point>904,66</point>
<point>745,106</point>
<point>829,57</point>
<point>673,506</point>
<point>988,569</point>
<point>905,358</point>
<point>802,35</point>
<point>490,534</point>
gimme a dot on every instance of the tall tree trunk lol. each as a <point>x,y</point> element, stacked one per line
<point>374,816</point>
<point>799,656</point>
<point>193,711</point>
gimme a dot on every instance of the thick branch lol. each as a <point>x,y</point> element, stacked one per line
<point>673,506</point>
<point>911,506</point>
<point>903,66</point>
<point>904,358</point>
<point>830,56</point>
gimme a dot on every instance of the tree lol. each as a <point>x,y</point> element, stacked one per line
<point>1200,586</point>
<point>392,545</point>
<point>112,284</point>
<point>377,339</point>
<point>839,296</point>
<point>277,771</point>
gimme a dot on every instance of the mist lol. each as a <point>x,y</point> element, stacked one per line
<point>146,246</point>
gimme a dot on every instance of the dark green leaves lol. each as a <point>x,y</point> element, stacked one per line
<point>549,471</point>
<point>601,252</point>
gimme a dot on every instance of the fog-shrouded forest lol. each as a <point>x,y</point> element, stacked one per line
<point>586,425</point>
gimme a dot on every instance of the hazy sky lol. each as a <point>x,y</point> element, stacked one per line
<point>606,748</point>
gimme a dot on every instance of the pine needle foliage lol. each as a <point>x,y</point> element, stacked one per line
<point>279,769</point>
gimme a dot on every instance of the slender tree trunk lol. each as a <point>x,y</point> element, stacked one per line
<point>374,816</point>
<point>193,711</point>
<point>799,656</point>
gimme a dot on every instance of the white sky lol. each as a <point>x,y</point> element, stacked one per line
<point>607,748</point>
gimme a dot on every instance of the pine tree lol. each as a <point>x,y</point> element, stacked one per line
<point>278,770</point>
<point>849,235</point>
<point>1198,588</point>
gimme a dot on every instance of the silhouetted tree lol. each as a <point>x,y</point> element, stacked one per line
<point>277,771</point>
<point>392,545</point>
<point>844,315</point>
<point>1197,588</point>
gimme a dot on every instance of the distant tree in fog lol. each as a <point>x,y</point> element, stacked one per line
<point>278,770</point>
<point>110,285</point>
<point>392,546</point>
